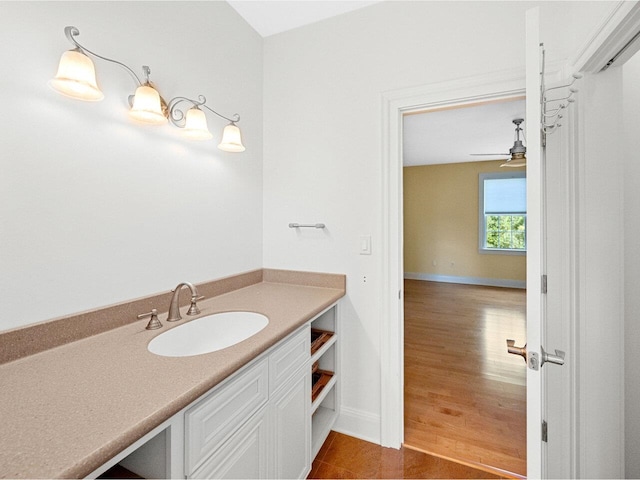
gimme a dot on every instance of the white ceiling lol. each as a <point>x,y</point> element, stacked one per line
<point>269,17</point>
<point>445,136</point>
<point>450,136</point>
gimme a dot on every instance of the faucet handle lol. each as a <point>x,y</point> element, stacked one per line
<point>193,309</point>
<point>153,322</point>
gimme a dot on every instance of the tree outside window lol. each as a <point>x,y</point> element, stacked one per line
<point>502,213</point>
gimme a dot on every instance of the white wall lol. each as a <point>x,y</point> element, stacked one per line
<point>322,150</point>
<point>631,168</point>
<point>601,265</point>
<point>97,210</point>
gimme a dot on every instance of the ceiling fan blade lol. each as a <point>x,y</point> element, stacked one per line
<point>516,152</point>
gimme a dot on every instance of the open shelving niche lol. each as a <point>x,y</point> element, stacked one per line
<point>324,407</point>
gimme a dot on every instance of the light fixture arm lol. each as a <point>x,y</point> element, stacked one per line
<point>72,32</point>
<point>236,117</point>
<point>177,116</point>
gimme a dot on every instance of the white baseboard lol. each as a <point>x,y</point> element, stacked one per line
<point>490,282</point>
<point>359,424</point>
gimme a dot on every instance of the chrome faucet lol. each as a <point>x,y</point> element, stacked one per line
<point>174,307</point>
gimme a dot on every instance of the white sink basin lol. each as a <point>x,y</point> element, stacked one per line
<point>208,334</point>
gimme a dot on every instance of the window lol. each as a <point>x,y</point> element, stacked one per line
<point>503,212</point>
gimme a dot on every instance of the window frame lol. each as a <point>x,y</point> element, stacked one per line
<point>482,233</point>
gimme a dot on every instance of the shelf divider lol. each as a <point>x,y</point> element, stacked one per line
<point>323,393</point>
<point>321,351</point>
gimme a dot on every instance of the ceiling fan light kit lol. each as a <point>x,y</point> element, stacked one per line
<point>516,161</point>
<point>517,152</point>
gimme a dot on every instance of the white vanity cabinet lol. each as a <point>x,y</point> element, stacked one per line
<point>259,423</point>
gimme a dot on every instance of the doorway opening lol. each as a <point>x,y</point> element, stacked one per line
<point>464,280</point>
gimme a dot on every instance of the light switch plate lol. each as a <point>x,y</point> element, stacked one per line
<point>365,244</point>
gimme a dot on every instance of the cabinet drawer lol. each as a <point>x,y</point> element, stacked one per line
<point>289,357</point>
<point>217,416</point>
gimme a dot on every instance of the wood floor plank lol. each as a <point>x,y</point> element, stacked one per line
<point>465,396</point>
<point>343,456</point>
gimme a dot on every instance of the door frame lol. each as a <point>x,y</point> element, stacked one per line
<point>590,437</point>
<point>470,90</point>
<point>620,24</point>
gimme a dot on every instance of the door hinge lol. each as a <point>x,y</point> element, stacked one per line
<point>544,284</point>
<point>544,430</point>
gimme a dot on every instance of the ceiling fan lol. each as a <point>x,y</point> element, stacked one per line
<point>517,152</point>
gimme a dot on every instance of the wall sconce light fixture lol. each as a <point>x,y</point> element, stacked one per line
<point>76,78</point>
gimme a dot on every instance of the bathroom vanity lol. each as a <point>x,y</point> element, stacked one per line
<point>245,411</point>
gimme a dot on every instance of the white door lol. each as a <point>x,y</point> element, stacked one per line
<point>537,359</point>
<point>535,243</point>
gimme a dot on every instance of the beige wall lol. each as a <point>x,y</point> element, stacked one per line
<point>441,224</point>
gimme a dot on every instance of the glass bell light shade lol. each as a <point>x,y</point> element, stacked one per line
<point>195,126</point>
<point>231,139</point>
<point>76,77</point>
<point>147,107</point>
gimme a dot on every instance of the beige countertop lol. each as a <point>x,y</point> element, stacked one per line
<point>69,409</point>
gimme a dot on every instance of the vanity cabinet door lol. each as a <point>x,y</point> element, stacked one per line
<point>291,440</point>
<point>244,455</point>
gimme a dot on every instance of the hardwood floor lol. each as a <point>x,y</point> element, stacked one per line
<point>465,396</point>
<point>342,456</point>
